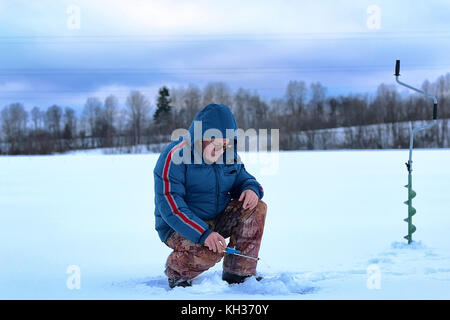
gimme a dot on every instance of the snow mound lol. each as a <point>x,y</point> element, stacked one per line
<point>211,284</point>
<point>285,283</point>
<point>414,245</point>
<point>414,260</point>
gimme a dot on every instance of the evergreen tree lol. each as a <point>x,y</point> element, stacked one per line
<point>163,107</point>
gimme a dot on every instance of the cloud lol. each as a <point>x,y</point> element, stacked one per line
<point>7,87</point>
<point>251,44</point>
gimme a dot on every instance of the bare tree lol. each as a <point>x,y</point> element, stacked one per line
<point>70,124</point>
<point>316,105</point>
<point>109,118</point>
<point>111,110</point>
<point>14,125</point>
<point>296,93</point>
<point>191,100</point>
<point>217,92</point>
<point>53,118</point>
<point>92,110</point>
<point>138,111</point>
<point>36,117</point>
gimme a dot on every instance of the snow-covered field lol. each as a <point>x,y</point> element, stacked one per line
<point>333,231</point>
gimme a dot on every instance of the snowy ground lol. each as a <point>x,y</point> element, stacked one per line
<point>333,217</point>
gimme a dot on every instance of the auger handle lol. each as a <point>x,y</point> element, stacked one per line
<point>435,105</point>
<point>397,68</point>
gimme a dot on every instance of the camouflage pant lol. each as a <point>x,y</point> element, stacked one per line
<point>245,229</point>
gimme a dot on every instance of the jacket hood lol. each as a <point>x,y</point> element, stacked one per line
<point>213,119</point>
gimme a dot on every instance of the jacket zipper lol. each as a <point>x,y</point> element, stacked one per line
<point>217,186</point>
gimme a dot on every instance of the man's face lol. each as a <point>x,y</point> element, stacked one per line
<point>213,148</point>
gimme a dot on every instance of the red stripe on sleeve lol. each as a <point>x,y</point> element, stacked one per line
<point>170,198</point>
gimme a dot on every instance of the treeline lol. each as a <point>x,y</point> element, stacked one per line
<point>301,114</point>
<point>377,136</point>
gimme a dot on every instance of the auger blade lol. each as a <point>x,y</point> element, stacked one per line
<point>411,211</point>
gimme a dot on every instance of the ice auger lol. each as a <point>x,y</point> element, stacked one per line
<point>411,192</point>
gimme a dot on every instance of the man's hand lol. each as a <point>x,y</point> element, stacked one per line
<point>250,199</point>
<point>215,242</point>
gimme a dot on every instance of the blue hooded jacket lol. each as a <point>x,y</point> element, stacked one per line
<point>189,192</point>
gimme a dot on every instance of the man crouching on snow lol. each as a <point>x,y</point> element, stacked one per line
<point>203,194</point>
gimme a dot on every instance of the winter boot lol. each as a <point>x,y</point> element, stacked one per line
<point>179,283</point>
<point>232,278</point>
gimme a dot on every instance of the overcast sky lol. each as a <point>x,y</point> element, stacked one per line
<point>349,46</point>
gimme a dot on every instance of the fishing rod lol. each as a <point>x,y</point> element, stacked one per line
<point>411,192</point>
<point>235,252</point>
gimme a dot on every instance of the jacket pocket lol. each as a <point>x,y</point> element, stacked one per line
<point>230,170</point>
